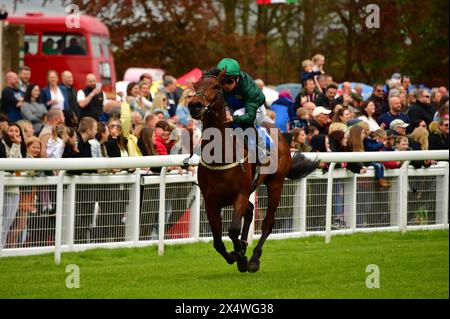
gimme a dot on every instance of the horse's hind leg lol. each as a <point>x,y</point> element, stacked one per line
<point>215,221</point>
<point>274,195</point>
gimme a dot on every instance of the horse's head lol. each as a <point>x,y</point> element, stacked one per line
<point>208,91</point>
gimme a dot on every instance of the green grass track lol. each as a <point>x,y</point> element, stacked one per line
<point>413,265</point>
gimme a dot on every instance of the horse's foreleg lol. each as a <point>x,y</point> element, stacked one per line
<point>274,196</point>
<point>248,217</point>
<point>240,207</point>
<point>215,222</point>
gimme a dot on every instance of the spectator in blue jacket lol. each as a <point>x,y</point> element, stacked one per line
<point>54,95</point>
<point>394,113</point>
<point>12,98</point>
<point>284,110</point>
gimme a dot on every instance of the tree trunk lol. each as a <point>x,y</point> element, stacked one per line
<point>245,16</point>
<point>230,15</point>
<point>349,41</point>
<point>308,29</point>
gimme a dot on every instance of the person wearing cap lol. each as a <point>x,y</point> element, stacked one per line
<point>394,113</point>
<point>398,127</point>
<point>245,102</point>
<point>321,119</point>
<point>356,103</point>
<point>244,99</point>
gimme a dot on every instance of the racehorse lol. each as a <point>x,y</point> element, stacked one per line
<point>231,184</point>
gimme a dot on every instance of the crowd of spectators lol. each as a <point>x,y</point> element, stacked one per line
<point>397,116</point>
<point>59,122</point>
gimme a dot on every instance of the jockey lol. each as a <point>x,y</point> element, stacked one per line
<point>245,100</point>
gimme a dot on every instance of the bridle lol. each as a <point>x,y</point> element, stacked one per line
<point>208,109</point>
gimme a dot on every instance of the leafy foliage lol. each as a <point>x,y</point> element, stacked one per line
<point>270,41</point>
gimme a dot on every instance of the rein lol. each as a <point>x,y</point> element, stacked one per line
<point>223,167</point>
<point>208,110</point>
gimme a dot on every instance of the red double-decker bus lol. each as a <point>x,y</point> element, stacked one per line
<point>52,44</point>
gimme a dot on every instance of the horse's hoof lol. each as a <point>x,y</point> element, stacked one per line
<point>242,264</point>
<point>233,258</point>
<point>230,261</point>
<point>253,266</point>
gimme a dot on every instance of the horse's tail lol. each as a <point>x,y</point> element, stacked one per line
<point>301,166</point>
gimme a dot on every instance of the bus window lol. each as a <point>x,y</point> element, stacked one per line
<point>73,44</point>
<point>106,47</point>
<point>50,44</point>
<point>105,72</point>
<point>96,46</point>
<point>30,43</point>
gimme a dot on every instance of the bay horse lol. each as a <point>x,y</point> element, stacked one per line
<point>231,184</point>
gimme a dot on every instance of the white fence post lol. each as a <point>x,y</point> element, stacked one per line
<point>59,211</point>
<point>303,203</point>
<point>442,197</point>
<point>403,197</point>
<point>136,207</point>
<point>195,213</point>
<point>162,211</point>
<point>296,206</point>
<point>251,231</point>
<point>395,215</point>
<point>193,204</point>
<point>445,195</point>
<point>71,200</point>
<point>2,194</point>
<point>329,211</point>
<point>350,200</point>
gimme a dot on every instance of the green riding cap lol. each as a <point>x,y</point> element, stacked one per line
<point>231,65</point>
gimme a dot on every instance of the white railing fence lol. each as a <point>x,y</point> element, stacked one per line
<point>76,212</point>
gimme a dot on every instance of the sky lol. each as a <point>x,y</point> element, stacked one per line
<point>51,8</point>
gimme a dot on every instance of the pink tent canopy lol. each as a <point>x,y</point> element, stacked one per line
<point>194,74</point>
<point>133,74</point>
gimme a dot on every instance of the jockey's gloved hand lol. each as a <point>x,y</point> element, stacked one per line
<point>228,117</point>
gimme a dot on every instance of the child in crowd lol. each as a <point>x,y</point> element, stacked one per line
<point>380,136</point>
<point>318,61</point>
<point>308,72</point>
<point>302,120</point>
<point>402,145</point>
